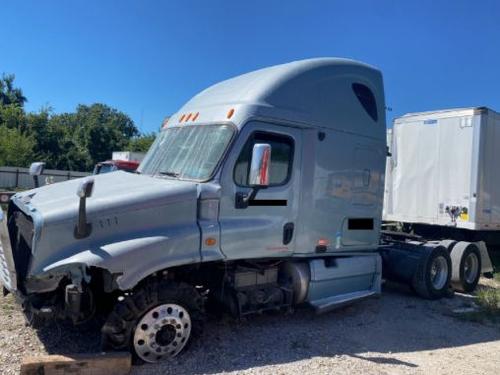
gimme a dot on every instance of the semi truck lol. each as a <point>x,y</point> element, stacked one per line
<point>115,165</point>
<point>263,192</point>
<point>121,161</point>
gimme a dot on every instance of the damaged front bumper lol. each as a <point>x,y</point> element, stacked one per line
<point>15,257</point>
<point>39,296</point>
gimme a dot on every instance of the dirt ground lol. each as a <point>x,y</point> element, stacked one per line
<point>398,333</point>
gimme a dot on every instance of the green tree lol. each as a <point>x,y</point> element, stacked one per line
<point>54,140</point>
<point>141,143</point>
<point>100,130</point>
<point>16,148</point>
<point>72,141</point>
<point>12,116</point>
<point>10,94</point>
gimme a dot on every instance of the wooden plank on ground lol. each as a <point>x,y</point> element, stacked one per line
<point>118,363</point>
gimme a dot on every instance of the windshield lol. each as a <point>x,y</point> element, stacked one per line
<point>104,168</point>
<point>188,152</point>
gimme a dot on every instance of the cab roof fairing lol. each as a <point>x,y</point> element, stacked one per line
<point>314,92</point>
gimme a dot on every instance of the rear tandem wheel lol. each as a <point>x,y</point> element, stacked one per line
<point>466,261</point>
<point>432,277</point>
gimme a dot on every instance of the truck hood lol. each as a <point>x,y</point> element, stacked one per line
<point>112,191</point>
<point>123,207</point>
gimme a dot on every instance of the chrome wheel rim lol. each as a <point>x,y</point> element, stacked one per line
<point>162,332</point>
<point>439,272</point>
<point>471,268</point>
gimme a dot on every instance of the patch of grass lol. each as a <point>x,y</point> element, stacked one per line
<point>488,304</point>
<point>7,307</point>
<point>7,304</point>
<point>489,300</point>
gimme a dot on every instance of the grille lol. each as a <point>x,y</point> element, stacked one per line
<point>21,234</point>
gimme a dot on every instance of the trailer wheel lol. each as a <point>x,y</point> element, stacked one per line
<point>432,277</point>
<point>466,266</point>
<point>155,322</point>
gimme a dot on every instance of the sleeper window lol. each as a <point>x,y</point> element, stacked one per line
<point>281,159</point>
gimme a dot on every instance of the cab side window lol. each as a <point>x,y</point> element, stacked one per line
<point>281,158</point>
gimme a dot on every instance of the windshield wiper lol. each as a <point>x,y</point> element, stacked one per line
<point>170,174</point>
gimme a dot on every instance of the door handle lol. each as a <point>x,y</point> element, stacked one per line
<point>287,233</point>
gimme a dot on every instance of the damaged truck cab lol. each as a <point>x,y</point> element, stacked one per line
<point>263,192</point>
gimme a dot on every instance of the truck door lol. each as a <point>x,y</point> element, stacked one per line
<point>267,227</point>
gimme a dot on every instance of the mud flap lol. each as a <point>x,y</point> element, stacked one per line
<point>486,266</point>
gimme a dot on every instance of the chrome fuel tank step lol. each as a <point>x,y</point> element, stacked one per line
<point>338,281</point>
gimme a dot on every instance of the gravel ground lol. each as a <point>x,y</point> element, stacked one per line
<point>395,334</point>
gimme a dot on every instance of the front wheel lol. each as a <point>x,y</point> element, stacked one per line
<point>155,322</point>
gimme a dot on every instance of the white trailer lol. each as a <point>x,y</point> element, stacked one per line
<point>442,179</point>
<point>443,169</point>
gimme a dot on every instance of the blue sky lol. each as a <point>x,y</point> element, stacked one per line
<point>147,58</point>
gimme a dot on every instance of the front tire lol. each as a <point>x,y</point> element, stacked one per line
<point>155,322</point>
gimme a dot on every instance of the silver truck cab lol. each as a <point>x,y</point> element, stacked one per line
<point>264,191</point>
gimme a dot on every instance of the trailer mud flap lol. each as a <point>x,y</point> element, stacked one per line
<point>338,281</point>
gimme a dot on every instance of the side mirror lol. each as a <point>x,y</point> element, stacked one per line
<point>259,166</point>
<point>258,177</point>
<point>85,188</point>
<point>36,169</point>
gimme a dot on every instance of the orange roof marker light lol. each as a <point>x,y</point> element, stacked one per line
<point>195,116</point>
<point>182,118</point>
<point>188,117</point>
<point>230,113</point>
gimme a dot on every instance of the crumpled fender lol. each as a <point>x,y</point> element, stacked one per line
<point>136,258</point>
